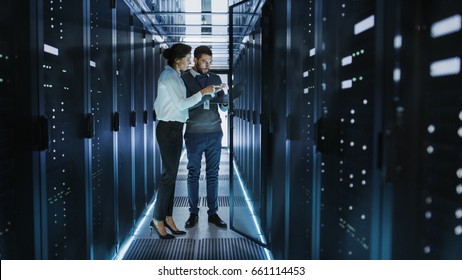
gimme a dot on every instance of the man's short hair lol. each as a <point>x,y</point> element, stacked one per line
<point>199,51</point>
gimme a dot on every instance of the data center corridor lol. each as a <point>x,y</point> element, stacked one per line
<point>345,126</point>
<point>205,241</point>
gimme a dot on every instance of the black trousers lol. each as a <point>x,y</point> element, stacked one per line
<point>170,140</point>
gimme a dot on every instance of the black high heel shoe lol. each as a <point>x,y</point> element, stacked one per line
<point>176,232</point>
<point>153,227</point>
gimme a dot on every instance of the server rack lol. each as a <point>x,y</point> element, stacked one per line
<point>350,181</point>
<point>275,129</point>
<point>102,75</point>
<point>148,119</point>
<point>360,129</point>
<point>300,130</point>
<point>140,118</point>
<point>423,132</point>
<point>81,173</point>
<point>63,90</point>
<point>19,158</point>
<point>125,198</point>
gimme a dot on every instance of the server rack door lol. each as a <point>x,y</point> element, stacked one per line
<point>125,211</point>
<point>19,223</point>
<point>349,212</point>
<point>148,113</point>
<point>300,128</point>
<point>275,109</point>
<point>159,64</point>
<point>265,121</point>
<point>440,172</point>
<point>236,146</point>
<point>248,136</point>
<point>102,71</point>
<point>238,134</point>
<point>248,123</point>
<point>63,89</point>
<point>256,173</point>
<point>242,81</point>
<point>139,86</point>
<point>239,104</point>
<point>423,166</point>
<point>241,217</point>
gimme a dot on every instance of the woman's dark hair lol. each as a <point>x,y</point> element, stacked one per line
<point>177,51</point>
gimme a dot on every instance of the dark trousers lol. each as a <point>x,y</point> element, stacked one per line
<point>210,145</point>
<point>170,141</point>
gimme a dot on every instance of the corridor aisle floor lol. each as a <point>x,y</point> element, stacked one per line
<point>205,241</point>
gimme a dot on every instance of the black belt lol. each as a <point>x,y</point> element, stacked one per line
<point>172,123</point>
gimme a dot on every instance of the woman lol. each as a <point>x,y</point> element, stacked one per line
<point>171,108</point>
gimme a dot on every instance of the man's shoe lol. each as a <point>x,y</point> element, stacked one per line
<point>215,219</point>
<point>192,221</point>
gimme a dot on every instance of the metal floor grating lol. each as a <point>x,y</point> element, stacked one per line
<point>159,249</point>
<point>223,201</point>
<point>190,249</point>
<point>180,201</point>
<point>229,249</point>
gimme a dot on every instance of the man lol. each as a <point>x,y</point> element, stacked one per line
<point>203,136</point>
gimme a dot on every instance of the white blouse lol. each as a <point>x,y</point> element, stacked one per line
<point>171,103</point>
